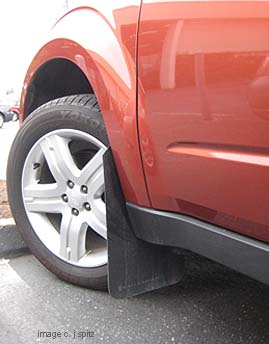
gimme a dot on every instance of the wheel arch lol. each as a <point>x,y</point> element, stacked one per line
<point>52,80</point>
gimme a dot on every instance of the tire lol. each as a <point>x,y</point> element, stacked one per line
<point>61,145</point>
<point>2,120</point>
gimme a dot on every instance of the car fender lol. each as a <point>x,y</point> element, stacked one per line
<point>91,38</point>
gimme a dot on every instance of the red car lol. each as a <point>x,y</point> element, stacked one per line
<point>145,129</point>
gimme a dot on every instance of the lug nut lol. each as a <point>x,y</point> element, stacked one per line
<point>87,206</point>
<point>84,189</point>
<point>75,212</point>
<point>70,184</point>
<point>65,198</point>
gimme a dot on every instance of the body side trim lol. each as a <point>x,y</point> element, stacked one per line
<point>243,254</point>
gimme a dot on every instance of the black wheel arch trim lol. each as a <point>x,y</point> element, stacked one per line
<point>243,254</point>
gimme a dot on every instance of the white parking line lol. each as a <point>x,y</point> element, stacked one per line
<point>7,222</point>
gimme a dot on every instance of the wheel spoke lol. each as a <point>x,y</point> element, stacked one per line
<point>43,198</point>
<point>42,190</point>
<point>59,158</point>
<point>72,238</point>
<point>44,205</point>
<point>99,209</point>
<point>98,224</point>
<point>91,167</point>
<point>96,184</point>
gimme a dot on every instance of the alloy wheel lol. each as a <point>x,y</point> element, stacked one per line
<point>63,194</point>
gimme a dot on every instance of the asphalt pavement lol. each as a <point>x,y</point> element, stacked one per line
<point>211,305</point>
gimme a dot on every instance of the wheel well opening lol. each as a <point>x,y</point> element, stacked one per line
<point>56,78</point>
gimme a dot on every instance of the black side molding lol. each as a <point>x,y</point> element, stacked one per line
<point>243,254</point>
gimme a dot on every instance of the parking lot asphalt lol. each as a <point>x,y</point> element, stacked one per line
<point>11,242</point>
<point>211,305</point>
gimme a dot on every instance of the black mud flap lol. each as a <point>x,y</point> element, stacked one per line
<point>134,266</point>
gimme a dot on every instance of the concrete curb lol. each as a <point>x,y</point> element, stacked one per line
<point>11,242</point>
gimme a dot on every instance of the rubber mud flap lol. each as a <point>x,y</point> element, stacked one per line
<point>134,266</point>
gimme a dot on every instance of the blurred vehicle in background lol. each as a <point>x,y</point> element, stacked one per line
<point>16,112</point>
<point>7,114</point>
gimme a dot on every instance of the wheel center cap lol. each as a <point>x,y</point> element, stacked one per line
<point>74,203</point>
<point>75,199</point>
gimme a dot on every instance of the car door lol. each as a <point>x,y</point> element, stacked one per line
<point>203,110</point>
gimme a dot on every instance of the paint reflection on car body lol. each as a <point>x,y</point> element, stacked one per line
<point>204,82</point>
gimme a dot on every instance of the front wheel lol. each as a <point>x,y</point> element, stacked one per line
<point>56,188</point>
